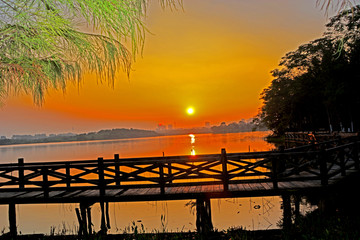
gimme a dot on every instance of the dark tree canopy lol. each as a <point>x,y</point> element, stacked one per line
<point>316,87</point>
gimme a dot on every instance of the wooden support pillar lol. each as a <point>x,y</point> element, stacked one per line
<point>84,218</point>
<point>81,225</point>
<point>297,200</point>
<point>103,228</point>
<point>107,215</point>
<point>207,209</point>
<point>88,211</point>
<point>12,221</point>
<point>105,218</point>
<point>286,211</point>
<point>83,212</point>
<point>203,216</point>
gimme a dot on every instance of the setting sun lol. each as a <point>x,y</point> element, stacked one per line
<point>190,111</point>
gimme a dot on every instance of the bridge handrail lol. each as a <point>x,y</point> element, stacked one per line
<point>167,171</point>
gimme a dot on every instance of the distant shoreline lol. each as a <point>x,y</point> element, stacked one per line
<point>124,133</point>
<point>92,136</point>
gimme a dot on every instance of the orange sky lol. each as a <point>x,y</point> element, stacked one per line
<point>216,56</point>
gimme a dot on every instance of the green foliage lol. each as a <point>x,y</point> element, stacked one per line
<point>316,86</point>
<point>336,5</point>
<point>45,43</point>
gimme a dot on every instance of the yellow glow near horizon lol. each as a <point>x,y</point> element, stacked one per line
<point>190,110</point>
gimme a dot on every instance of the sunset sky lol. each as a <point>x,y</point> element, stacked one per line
<point>215,56</point>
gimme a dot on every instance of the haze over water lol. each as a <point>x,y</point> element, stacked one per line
<point>251,213</point>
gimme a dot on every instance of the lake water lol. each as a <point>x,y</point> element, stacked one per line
<point>250,213</point>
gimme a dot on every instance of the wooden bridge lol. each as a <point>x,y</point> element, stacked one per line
<point>283,173</point>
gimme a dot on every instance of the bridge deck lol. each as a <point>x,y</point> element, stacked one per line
<point>171,193</point>
<point>151,193</point>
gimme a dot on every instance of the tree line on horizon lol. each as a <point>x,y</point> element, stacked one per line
<point>316,87</point>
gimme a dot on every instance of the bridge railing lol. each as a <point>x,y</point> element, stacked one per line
<point>223,169</point>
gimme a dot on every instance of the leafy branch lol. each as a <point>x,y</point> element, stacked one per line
<point>46,43</point>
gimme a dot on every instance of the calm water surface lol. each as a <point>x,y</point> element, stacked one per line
<point>251,213</point>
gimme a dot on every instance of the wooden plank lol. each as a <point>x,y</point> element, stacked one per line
<point>218,188</point>
<point>54,194</point>
<point>70,194</point>
<point>246,187</point>
<point>129,192</point>
<point>153,191</point>
<point>296,184</point>
<point>180,190</point>
<point>192,189</point>
<point>240,187</point>
<point>112,192</point>
<point>271,185</point>
<point>172,190</point>
<point>205,188</point>
<point>233,187</point>
<point>257,186</point>
<point>4,195</point>
<point>284,185</point>
<point>197,189</point>
<point>87,193</point>
<point>30,194</point>
<point>186,189</point>
<point>266,186</point>
<point>293,184</point>
<point>142,191</point>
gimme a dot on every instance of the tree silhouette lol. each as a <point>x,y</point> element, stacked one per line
<point>316,86</point>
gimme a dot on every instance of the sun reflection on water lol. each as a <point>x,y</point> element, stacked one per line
<point>192,141</point>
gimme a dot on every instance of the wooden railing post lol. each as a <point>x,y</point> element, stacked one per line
<point>68,176</point>
<point>274,167</point>
<point>101,176</point>
<point>355,155</point>
<point>44,171</point>
<point>162,179</point>
<point>117,169</point>
<point>169,169</point>
<point>323,167</point>
<point>225,175</point>
<point>21,173</point>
